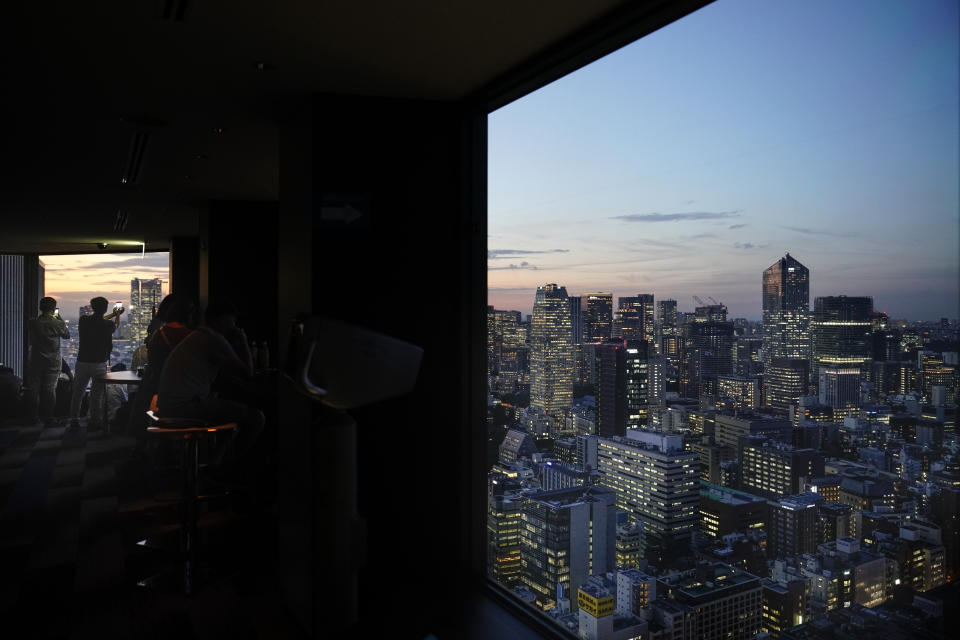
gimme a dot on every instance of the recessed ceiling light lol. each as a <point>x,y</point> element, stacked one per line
<point>218,129</point>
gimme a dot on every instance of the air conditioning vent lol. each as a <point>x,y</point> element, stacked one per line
<point>138,147</point>
<point>121,223</point>
<point>172,10</point>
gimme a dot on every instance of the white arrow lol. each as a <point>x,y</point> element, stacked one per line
<point>344,213</point>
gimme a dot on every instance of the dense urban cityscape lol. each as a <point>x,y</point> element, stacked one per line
<point>664,474</point>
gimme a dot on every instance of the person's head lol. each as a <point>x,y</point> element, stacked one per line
<point>99,305</point>
<point>180,311</point>
<point>118,367</point>
<point>48,305</point>
<point>169,300</point>
<point>221,315</point>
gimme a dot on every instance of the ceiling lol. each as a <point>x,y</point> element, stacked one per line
<point>150,109</point>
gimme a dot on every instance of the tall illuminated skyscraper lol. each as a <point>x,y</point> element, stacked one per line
<point>635,317</point>
<point>551,351</point>
<point>598,316</point>
<point>842,334</point>
<point>786,311</point>
<point>145,296</point>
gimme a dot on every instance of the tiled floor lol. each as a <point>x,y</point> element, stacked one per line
<point>75,505</point>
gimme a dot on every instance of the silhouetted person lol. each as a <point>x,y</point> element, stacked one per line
<point>96,343</point>
<point>43,365</point>
<point>218,347</point>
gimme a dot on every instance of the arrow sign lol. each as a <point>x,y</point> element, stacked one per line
<point>343,213</point>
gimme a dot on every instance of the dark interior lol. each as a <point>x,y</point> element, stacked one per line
<point>301,158</point>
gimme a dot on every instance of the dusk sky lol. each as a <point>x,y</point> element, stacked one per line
<point>688,162</point>
<point>73,280</point>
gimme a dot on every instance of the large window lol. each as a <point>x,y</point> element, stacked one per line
<point>639,210</point>
<point>135,281</point>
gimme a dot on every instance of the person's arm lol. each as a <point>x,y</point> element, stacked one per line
<point>234,354</point>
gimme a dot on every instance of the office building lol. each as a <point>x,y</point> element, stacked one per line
<point>784,605</point>
<point>712,456</point>
<point>839,389</point>
<point>727,603</point>
<point>599,618</point>
<point>636,591</point>
<point>793,527</point>
<point>738,392</point>
<point>655,481</point>
<point>506,345</point>
<point>724,511</point>
<point>841,332</point>
<point>667,314</point>
<point>551,352</point>
<point>772,469</point>
<point>707,354</point>
<point>630,546</point>
<point>516,444</point>
<point>785,381</point>
<point>145,297</point>
<point>786,312</point>
<point>622,386</point>
<point>566,536</point>
<point>635,317</point>
<point>729,429</point>
<point>503,538</point>
<point>597,316</point>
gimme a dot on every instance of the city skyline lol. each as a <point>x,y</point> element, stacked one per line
<point>659,169</point>
<point>74,279</point>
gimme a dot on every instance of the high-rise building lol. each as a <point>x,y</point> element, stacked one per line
<point>724,511</point>
<point>598,316</point>
<point>785,381</point>
<point>635,317</point>
<point>726,602</point>
<point>667,314</point>
<point>772,469</point>
<point>793,527</point>
<point>786,311</point>
<point>551,352</point>
<point>840,390</point>
<point>622,386</point>
<point>656,483</point>
<point>566,536</point>
<point>145,297</point>
<point>707,353</point>
<point>841,333</point>
<point>12,313</point>
<point>506,338</point>
<point>503,538</point>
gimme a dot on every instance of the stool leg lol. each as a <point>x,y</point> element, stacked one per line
<point>192,531</point>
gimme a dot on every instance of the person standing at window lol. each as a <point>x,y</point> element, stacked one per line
<point>43,366</point>
<point>96,343</point>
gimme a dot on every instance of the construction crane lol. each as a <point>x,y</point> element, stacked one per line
<point>714,301</point>
<point>699,301</point>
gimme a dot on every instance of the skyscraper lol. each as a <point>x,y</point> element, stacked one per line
<point>656,483</point>
<point>622,386</point>
<point>635,317</point>
<point>598,316</point>
<point>145,296</point>
<point>842,334</point>
<point>786,311</point>
<point>551,351</point>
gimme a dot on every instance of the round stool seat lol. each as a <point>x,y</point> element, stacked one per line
<point>187,428</point>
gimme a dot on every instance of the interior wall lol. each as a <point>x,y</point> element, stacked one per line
<point>400,264</point>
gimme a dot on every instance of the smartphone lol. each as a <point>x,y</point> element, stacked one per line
<point>56,311</point>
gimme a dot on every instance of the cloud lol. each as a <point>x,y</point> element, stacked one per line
<point>737,226</point>
<point>703,235</point>
<point>677,217</point>
<point>494,254</point>
<point>820,232</point>
<point>749,245</point>
<point>522,265</point>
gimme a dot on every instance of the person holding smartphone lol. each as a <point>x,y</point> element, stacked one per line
<point>96,343</point>
<point>44,361</point>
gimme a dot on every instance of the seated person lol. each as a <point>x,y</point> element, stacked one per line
<point>185,388</point>
<point>176,327</point>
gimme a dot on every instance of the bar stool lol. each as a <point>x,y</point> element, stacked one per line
<point>190,432</point>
